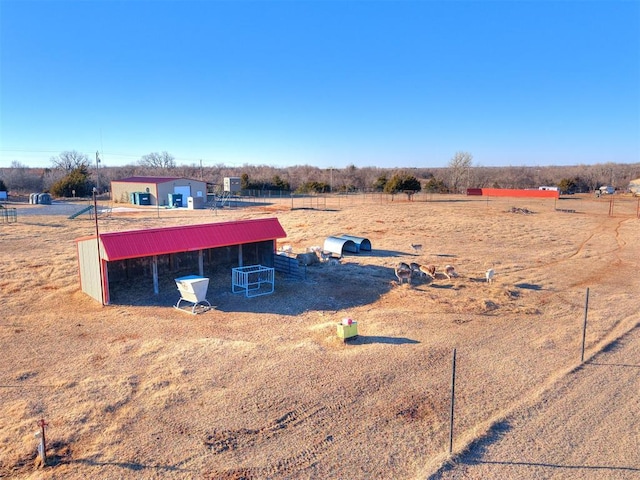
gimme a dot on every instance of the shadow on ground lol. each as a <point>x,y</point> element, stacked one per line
<point>324,288</point>
<point>364,340</point>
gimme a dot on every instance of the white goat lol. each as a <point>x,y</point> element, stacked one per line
<point>286,248</point>
<point>489,274</point>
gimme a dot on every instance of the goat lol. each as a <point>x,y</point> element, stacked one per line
<point>429,270</point>
<point>489,275</point>
<point>449,271</point>
<point>286,249</point>
<point>323,255</point>
<point>416,247</point>
<point>415,268</point>
<point>403,271</point>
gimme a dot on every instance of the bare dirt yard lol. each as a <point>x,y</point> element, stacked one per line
<point>262,388</point>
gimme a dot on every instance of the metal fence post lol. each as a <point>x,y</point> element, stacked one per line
<point>584,326</point>
<point>453,397</point>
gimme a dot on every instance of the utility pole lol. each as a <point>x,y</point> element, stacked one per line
<point>95,212</point>
<point>97,171</point>
<point>331,179</point>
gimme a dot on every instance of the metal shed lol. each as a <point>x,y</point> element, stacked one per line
<point>361,243</point>
<point>232,184</point>
<point>160,189</point>
<point>101,261</point>
<point>339,245</point>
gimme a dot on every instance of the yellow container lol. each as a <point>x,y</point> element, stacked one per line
<point>347,331</point>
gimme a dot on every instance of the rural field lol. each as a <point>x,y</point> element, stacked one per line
<point>262,388</point>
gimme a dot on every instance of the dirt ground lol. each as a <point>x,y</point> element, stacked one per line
<point>262,388</point>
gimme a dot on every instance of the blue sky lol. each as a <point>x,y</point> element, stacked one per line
<point>323,83</point>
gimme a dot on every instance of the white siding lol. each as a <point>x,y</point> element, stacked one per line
<point>89,268</point>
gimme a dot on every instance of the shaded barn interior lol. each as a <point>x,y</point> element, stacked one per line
<point>131,280</point>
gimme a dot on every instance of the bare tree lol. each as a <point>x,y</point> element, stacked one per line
<point>460,170</point>
<point>70,160</point>
<point>20,178</point>
<point>162,160</point>
<point>352,178</point>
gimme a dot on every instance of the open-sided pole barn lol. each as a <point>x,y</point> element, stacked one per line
<point>238,243</point>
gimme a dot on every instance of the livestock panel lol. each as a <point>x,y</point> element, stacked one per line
<point>253,280</point>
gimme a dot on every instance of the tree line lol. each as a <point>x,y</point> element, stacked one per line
<point>74,174</point>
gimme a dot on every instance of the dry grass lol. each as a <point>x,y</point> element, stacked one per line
<point>262,387</point>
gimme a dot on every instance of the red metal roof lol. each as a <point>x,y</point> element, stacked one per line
<point>161,241</point>
<point>155,180</point>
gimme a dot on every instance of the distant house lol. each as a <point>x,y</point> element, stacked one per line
<point>634,186</point>
<point>163,191</point>
<point>606,190</point>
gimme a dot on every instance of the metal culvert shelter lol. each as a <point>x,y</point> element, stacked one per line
<point>362,244</point>
<point>339,245</point>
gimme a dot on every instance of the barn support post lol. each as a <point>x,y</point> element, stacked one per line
<point>240,256</point>
<point>154,266</point>
<point>104,273</point>
<point>201,262</point>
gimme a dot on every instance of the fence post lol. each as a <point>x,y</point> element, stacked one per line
<point>453,398</point>
<point>42,444</point>
<point>584,326</point>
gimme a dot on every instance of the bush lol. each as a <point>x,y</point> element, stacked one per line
<point>402,183</point>
<point>77,180</point>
